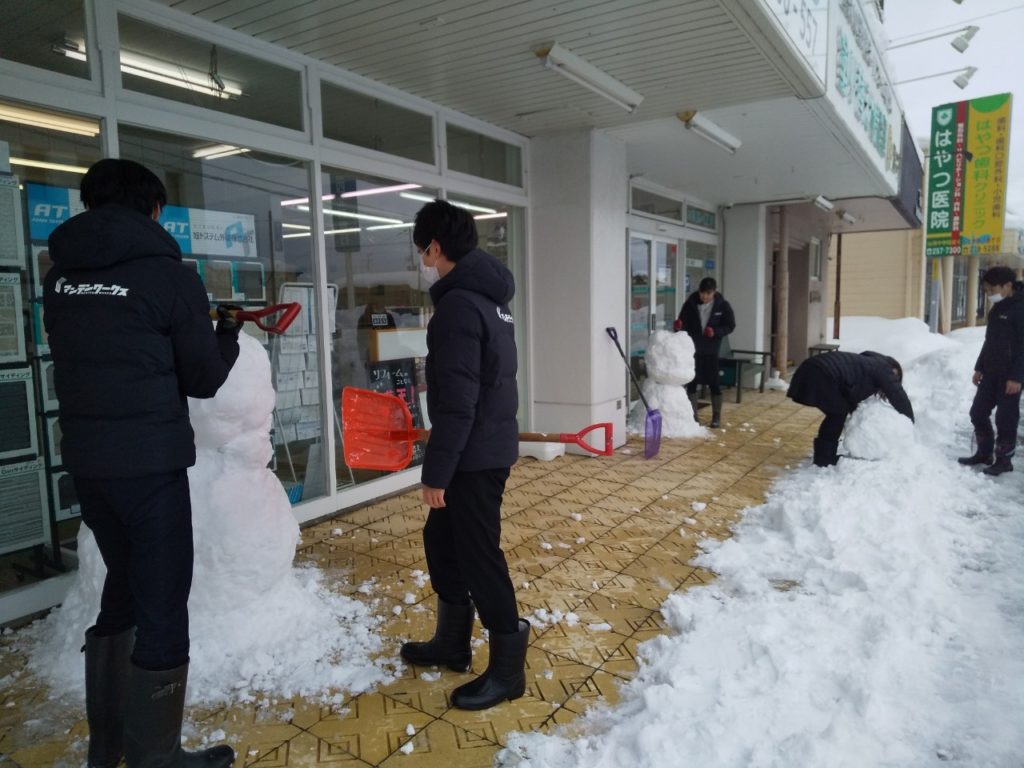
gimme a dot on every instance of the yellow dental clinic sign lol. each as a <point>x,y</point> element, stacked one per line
<point>970,142</point>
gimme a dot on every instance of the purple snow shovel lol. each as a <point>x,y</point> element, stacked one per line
<point>652,424</point>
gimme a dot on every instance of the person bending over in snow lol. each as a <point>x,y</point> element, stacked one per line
<point>472,400</point>
<point>708,318</point>
<point>131,338</point>
<point>998,374</point>
<point>836,383</point>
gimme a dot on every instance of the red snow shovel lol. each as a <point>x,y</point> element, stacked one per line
<point>378,431</point>
<point>652,424</point>
<point>288,313</point>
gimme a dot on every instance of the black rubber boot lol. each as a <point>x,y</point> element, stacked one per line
<point>450,645</point>
<point>716,411</point>
<point>106,677</point>
<point>694,405</point>
<point>152,723</point>
<point>1002,463</point>
<point>825,452</point>
<point>983,454</point>
<point>505,677</point>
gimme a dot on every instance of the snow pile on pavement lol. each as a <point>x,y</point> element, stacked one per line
<point>867,614</point>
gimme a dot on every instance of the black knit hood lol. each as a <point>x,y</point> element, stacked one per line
<point>108,235</point>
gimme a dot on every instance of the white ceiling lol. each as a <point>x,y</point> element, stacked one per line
<point>477,57</point>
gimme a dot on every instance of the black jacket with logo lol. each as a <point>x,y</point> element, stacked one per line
<point>1002,354</point>
<point>472,398</point>
<point>131,338</point>
<point>722,320</point>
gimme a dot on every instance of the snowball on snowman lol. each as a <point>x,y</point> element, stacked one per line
<point>670,366</point>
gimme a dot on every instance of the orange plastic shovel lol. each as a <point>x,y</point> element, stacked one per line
<point>378,431</point>
<point>287,314</point>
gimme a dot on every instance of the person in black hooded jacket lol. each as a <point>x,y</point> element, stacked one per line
<point>708,318</point>
<point>472,400</point>
<point>836,383</point>
<point>998,374</point>
<point>131,338</point>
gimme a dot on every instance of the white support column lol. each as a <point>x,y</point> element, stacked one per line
<point>577,280</point>
<point>744,274</point>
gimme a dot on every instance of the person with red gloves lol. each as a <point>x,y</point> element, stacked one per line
<point>708,318</point>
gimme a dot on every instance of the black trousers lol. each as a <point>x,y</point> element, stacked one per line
<point>832,426</point>
<point>464,556</point>
<point>143,527</point>
<point>705,372</point>
<point>991,393</point>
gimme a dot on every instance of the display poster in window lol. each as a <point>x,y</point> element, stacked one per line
<point>12,324</point>
<point>12,231</point>
<point>25,519</point>
<point>211,233</point>
<point>49,207</point>
<point>17,414</point>
<point>400,378</point>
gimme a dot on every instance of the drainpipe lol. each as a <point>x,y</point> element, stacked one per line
<point>839,274</point>
<point>780,352</point>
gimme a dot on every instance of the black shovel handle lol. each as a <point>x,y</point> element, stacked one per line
<point>615,337</point>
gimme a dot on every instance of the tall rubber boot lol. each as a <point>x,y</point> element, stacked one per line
<point>826,452</point>
<point>106,677</point>
<point>154,707</point>
<point>716,411</point>
<point>450,645</point>
<point>1004,450</point>
<point>983,453</point>
<point>505,678</point>
<point>693,404</point>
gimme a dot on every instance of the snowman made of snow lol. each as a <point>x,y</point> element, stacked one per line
<point>670,366</point>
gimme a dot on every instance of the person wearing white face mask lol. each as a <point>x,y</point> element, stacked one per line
<point>998,374</point>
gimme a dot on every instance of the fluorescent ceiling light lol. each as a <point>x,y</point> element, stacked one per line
<point>303,201</point>
<point>218,150</point>
<point>824,203</point>
<point>582,72</point>
<point>403,225</point>
<point>209,83</point>
<point>428,199</point>
<point>418,197</point>
<point>53,122</point>
<point>48,166</point>
<point>378,190</point>
<point>326,232</point>
<point>710,131</point>
<point>501,215</point>
<point>295,226</point>
<point>351,215</point>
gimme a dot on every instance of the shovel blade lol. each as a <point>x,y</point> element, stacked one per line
<point>652,434</point>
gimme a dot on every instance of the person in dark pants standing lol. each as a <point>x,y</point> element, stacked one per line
<point>836,383</point>
<point>131,338</point>
<point>998,374</point>
<point>472,400</point>
<point>708,318</point>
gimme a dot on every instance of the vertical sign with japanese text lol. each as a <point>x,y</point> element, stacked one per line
<point>967,169</point>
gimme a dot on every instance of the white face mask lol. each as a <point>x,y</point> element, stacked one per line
<point>430,275</point>
<point>996,298</point>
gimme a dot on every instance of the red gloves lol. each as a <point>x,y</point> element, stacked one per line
<point>677,325</point>
<point>709,332</point>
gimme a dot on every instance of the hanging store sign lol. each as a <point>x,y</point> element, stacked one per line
<point>805,23</point>
<point>211,233</point>
<point>967,167</point>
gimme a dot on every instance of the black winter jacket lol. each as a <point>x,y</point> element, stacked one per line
<point>721,320</point>
<point>472,396</point>
<point>131,337</point>
<point>1002,354</point>
<point>838,382</point>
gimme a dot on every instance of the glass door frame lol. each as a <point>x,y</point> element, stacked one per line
<point>651,303</point>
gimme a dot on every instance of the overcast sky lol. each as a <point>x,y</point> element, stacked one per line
<point>997,50</point>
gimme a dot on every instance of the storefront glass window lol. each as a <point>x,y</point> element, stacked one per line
<point>230,211</point>
<point>369,122</point>
<point>38,191</point>
<point>646,202</point>
<point>473,153</point>
<point>193,71</point>
<point>48,35</point>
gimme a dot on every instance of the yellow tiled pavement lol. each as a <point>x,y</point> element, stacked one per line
<point>607,538</point>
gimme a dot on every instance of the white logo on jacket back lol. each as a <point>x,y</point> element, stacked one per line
<point>506,316</point>
<point>88,289</point>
